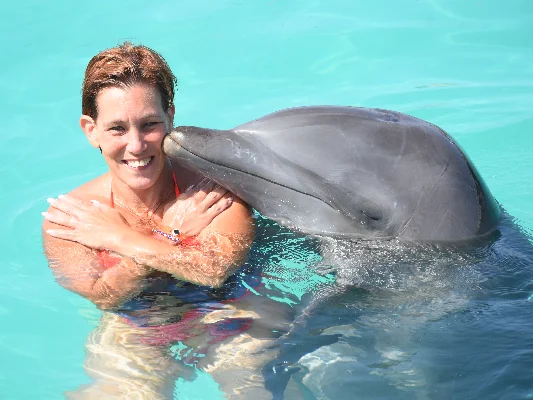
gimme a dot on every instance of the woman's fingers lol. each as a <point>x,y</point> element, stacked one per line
<point>69,205</point>
<point>70,211</point>
<point>66,234</point>
<point>199,192</point>
<point>193,190</point>
<point>219,206</point>
<point>206,194</point>
<point>90,223</point>
<point>60,218</point>
<point>204,190</point>
<point>102,207</point>
<point>213,196</point>
<point>195,221</point>
<point>73,202</point>
<point>203,186</point>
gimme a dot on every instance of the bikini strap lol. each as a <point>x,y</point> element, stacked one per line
<point>111,197</point>
<point>176,188</point>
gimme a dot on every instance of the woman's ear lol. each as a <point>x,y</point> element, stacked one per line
<point>88,125</point>
<point>170,113</point>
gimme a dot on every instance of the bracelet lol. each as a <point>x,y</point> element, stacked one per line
<point>175,236</point>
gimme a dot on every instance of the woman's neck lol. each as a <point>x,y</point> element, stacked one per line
<point>146,203</point>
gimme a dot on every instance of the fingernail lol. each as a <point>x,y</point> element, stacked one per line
<point>60,196</point>
<point>230,199</point>
<point>50,200</point>
<point>45,214</point>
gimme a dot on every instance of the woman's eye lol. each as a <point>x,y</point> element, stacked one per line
<point>116,129</point>
<point>150,125</point>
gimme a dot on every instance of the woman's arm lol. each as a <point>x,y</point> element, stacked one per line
<point>80,270</point>
<point>80,267</point>
<point>222,246</point>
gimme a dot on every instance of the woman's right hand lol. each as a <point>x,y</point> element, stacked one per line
<point>91,224</point>
<point>195,208</point>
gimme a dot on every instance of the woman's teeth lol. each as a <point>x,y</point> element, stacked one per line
<point>139,163</point>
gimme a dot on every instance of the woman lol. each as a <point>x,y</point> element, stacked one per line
<point>138,249</point>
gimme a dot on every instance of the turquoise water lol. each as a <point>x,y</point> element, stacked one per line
<point>465,66</point>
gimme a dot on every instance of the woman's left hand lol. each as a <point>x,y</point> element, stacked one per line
<point>92,224</point>
<point>194,209</point>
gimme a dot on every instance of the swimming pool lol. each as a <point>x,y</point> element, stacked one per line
<point>465,66</point>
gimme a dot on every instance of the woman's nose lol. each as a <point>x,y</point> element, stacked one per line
<point>136,142</point>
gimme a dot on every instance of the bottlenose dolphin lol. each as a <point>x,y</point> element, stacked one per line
<point>345,172</point>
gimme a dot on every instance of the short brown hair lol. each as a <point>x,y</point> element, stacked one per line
<point>124,66</point>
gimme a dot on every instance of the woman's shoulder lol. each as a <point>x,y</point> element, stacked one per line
<point>98,188</point>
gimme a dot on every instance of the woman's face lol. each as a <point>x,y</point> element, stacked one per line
<point>130,128</point>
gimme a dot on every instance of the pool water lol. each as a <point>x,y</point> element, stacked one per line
<point>415,329</point>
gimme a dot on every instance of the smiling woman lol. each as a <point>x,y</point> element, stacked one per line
<point>123,240</point>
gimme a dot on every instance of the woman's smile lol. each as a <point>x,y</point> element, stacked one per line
<point>139,164</point>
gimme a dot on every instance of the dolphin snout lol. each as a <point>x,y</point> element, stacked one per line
<point>171,143</point>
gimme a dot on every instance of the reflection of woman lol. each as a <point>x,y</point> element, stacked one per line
<point>114,240</point>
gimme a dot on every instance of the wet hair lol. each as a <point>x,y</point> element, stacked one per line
<point>124,66</point>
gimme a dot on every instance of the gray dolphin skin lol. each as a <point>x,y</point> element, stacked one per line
<point>345,172</point>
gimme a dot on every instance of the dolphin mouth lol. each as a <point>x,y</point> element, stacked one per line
<point>176,141</point>
<point>166,146</point>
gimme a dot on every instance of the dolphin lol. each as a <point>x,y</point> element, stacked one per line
<point>347,172</point>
